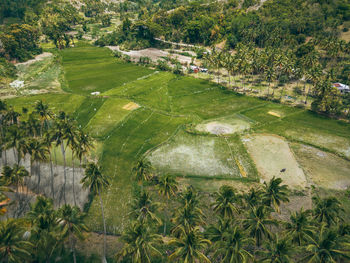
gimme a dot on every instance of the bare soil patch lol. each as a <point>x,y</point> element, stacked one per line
<point>271,154</point>
<point>224,126</point>
<point>131,106</point>
<point>274,114</point>
<point>153,53</point>
<point>323,169</point>
<point>37,58</point>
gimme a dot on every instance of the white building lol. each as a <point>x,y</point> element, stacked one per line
<point>342,87</point>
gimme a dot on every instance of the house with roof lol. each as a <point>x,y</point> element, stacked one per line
<point>341,87</point>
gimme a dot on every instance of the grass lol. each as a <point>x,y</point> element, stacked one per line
<point>107,116</point>
<point>89,69</point>
<point>168,102</point>
<point>57,102</point>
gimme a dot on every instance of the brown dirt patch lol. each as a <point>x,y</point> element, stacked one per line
<point>274,114</point>
<point>131,106</point>
<point>271,154</point>
<point>323,169</point>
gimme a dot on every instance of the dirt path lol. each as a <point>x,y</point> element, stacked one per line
<point>37,58</point>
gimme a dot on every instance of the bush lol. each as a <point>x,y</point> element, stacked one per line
<point>162,65</point>
<point>7,70</point>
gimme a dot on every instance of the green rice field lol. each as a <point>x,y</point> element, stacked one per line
<point>158,127</point>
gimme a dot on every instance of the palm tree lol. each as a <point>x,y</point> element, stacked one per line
<point>189,247</point>
<point>97,182</point>
<point>232,246</point>
<point>71,220</point>
<point>215,232</point>
<point>225,200</point>
<point>327,210</point>
<point>167,187</point>
<point>299,227</point>
<point>43,231</point>
<point>14,135</point>
<point>47,142</point>
<point>142,170</point>
<point>257,221</point>
<point>4,200</point>
<point>71,136</point>
<point>277,250</point>
<point>326,246</point>
<point>253,197</point>
<point>189,214</point>
<point>140,243</point>
<point>44,114</point>
<point>144,209</point>
<point>13,248</point>
<point>38,153</point>
<point>274,193</point>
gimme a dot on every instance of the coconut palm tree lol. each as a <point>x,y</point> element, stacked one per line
<point>13,248</point>
<point>326,246</point>
<point>140,244</point>
<point>167,187</point>
<point>72,141</point>
<point>142,170</point>
<point>257,223</point>
<point>232,247</point>
<point>215,232</point>
<point>43,231</point>
<point>14,136</point>
<point>253,197</point>
<point>144,209</point>
<point>44,114</point>
<point>299,227</point>
<point>189,214</point>
<point>37,151</point>
<point>189,247</point>
<point>225,200</point>
<point>275,193</point>
<point>327,210</point>
<point>59,136</point>
<point>96,182</point>
<point>277,250</point>
<point>71,220</point>
<point>47,142</point>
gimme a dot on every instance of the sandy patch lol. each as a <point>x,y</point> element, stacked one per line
<point>37,58</point>
<point>222,128</point>
<point>323,169</point>
<point>131,106</point>
<point>271,154</point>
<point>153,53</point>
<point>274,114</point>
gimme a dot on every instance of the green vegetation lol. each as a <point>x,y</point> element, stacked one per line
<point>90,69</point>
<point>179,165</point>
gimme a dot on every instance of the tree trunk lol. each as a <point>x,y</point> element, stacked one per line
<point>104,229</point>
<point>75,203</point>
<point>64,172</point>
<point>307,95</point>
<point>72,247</point>
<point>39,177</point>
<point>52,177</point>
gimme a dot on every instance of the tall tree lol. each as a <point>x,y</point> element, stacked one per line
<point>225,200</point>
<point>71,220</point>
<point>13,248</point>
<point>140,243</point>
<point>275,193</point>
<point>232,247</point>
<point>167,187</point>
<point>96,182</point>
<point>327,210</point>
<point>189,247</point>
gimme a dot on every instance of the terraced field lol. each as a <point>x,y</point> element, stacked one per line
<point>176,123</point>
